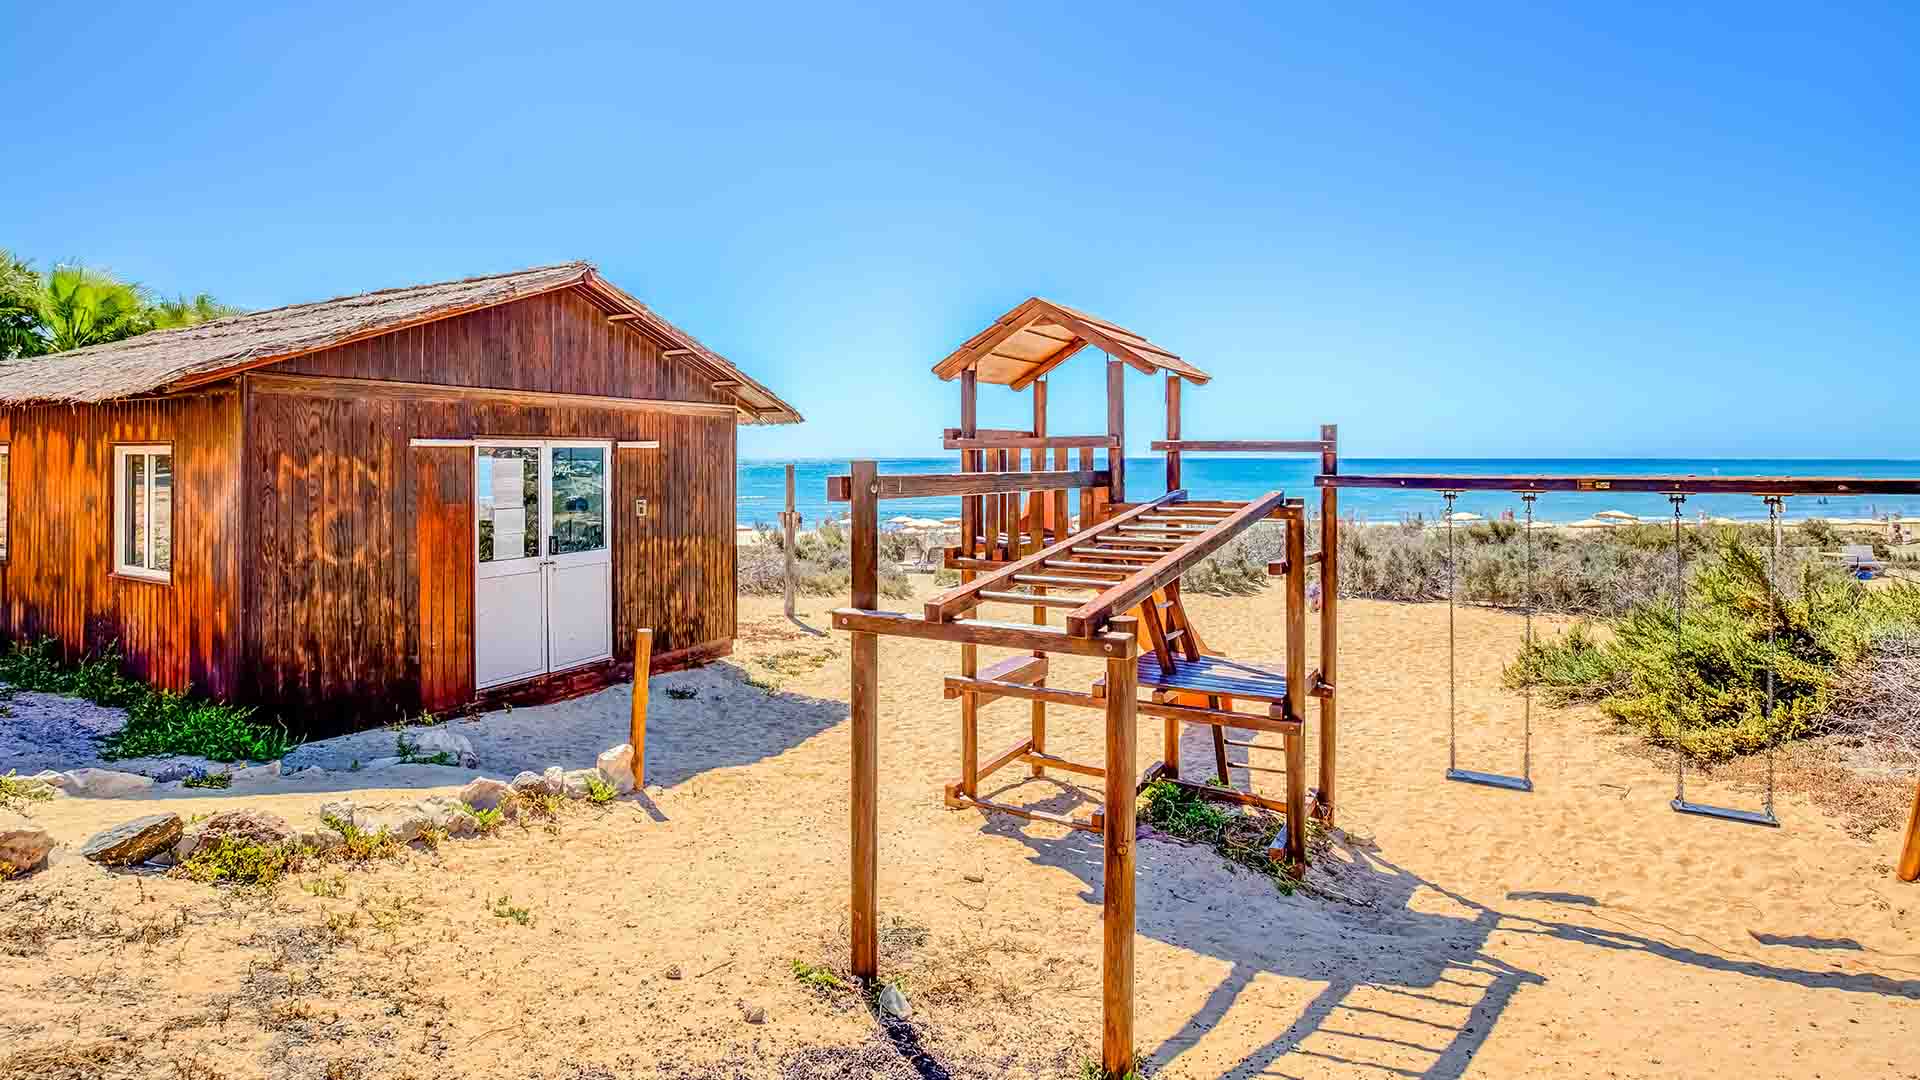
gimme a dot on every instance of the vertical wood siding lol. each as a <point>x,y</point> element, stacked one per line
<point>443,504</point>
<point>57,579</point>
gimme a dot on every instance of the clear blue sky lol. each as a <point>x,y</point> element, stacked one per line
<point>1489,231</point>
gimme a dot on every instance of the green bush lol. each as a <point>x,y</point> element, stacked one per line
<point>228,860</point>
<point>1241,838</point>
<point>159,722</point>
<point>1703,688</point>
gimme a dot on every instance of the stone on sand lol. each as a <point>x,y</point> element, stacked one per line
<point>486,793</point>
<point>617,765</point>
<point>250,826</point>
<point>23,844</point>
<point>133,841</point>
<point>106,783</point>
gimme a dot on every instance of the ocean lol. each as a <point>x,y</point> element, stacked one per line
<point>762,490</point>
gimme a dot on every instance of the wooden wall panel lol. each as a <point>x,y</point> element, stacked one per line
<point>362,602</point>
<point>558,342</point>
<point>58,574</point>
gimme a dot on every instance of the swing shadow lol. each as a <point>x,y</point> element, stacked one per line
<point>1377,975</point>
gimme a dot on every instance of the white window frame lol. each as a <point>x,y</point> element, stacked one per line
<point>120,455</point>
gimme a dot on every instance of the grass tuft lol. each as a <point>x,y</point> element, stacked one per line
<point>1242,837</point>
<point>230,860</point>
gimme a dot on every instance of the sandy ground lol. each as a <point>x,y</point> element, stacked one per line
<point>1583,930</point>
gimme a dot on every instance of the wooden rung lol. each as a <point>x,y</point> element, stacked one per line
<point>1031,599</point>
<point>1221,794</point>
<point>1164,530</point>
<point>1020,669</point>
<point>1246,745</point>
<point>1155,519</point>
<point>1004,758</point>
<point>1035,757</point>
<point>1116,553</point>
<point>1176,635</point>
<point>1056,582</point>
<point>1119,569</point>
<point>957,800</point>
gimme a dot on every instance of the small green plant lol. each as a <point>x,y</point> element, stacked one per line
<point>1242,838</point>
<point>16,792</point>
<point>1091,1069</point>
<point>503,908</point>
<point>432,837</point>
<point>485,822</point>
<point>228,860</point>
<point>360,846</point>
<point>159,722</point>
<point>409,753</point>
<point>329,886</point>
<point>209,780</point>
<point>599,792</point>
<point>818,977</point>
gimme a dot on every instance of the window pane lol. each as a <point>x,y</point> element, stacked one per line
<point>579,500</point>
<point>133,546</point>
<point>161,533</point>
<point>506,488</point>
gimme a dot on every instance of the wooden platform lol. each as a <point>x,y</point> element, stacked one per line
<point>1213,675</point>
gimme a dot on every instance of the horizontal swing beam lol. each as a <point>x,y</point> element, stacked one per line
<point>1686,485</point>
<point>921,485</point>
<point>984,440</point>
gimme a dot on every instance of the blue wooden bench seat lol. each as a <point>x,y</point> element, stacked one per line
<point>1213,675</point>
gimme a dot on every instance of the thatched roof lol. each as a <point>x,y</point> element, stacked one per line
<point>1039,335</point>
<point>168,360</point>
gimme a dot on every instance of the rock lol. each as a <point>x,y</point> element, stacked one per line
<point>162,860</point>
<point>58,781</point>
<point>673,971</point>
<point>317,836</point>
<point>450,814</point>
<point>441,741</point>
<point>106,783</point>
<point>23,844</point>
<point>133,841</point>
<point>894,1003</point>
<point>175,771</point>
<point>311,772</point>
<point>556,779</point>
<point>252,826</point>
<point>339,812</point>
<point>382,763</point>
<point>486,793</point>
<point>255,773</point>
<point>617,765</point>
<point>405,822</point>
<point>753,1014</point>
<point>573,783</point>
<point>530,782</point>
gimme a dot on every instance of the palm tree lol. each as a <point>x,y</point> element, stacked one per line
<point>21,292</point>
<point>183,310</point>
<point>87,307</point>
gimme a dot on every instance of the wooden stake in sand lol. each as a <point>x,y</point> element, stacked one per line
<point>1910,854</point>
<point>642,667</point>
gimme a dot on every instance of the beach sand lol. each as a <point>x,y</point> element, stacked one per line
<point>1583,930</point>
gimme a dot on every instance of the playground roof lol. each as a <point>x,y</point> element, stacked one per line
<point>1039,335</point>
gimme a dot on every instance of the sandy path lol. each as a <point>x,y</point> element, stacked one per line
<point>1582,931</point>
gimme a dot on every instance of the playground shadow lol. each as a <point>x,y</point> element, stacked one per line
<point>1408,986</point>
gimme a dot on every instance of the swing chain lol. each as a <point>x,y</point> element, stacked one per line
<point>1526,744</point>
<point>1677,498</point>
<point>1775,505</point>
<point>1452,752</point>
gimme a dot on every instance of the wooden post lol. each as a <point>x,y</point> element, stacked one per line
<point>1173,431</point>
<point>642,666</point>
<point>1910,854</point>
<point>864,697</point>
<point>1296,744</point>
<point>970,726</point>
<point>1038,529</point>
<point>1116,1042</point>
<point>788,522</point>
<point>1117,427</point>
<point>1329,621</point>
<point>969,459</point>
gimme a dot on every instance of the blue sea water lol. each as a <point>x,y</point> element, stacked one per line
<point>762,486</point>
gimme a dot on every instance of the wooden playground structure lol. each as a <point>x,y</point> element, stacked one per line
<point>1113,572</point>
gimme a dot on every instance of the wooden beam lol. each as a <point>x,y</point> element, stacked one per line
<point>1296,703</point>
<point>343,389</point>
<point>1117,922</point>
<point>982,632</point>
<point>1909,868</point>
<point>637,725</point>
<point>958,800</point>
<point>1690,485</point>
<point>1085,619</point>
<point>1329,623</point>
<point>1117,427</point>
<point>1026,442</point>
<point>921,485</point>
<point>944,605</point>
<point>1173,432</point>
<point>864,697</point>
<point>1192,714</point>
<point>1174,444</point>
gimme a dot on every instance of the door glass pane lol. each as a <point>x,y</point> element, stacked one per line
<point>161,532</point>
<point>579,500</point>
<point>506,487</point>
<point>133,551</point>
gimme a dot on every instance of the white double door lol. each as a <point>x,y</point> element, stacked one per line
<point>543,579</point>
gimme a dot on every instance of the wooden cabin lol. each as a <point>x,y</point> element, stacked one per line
<point>413,499</point>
